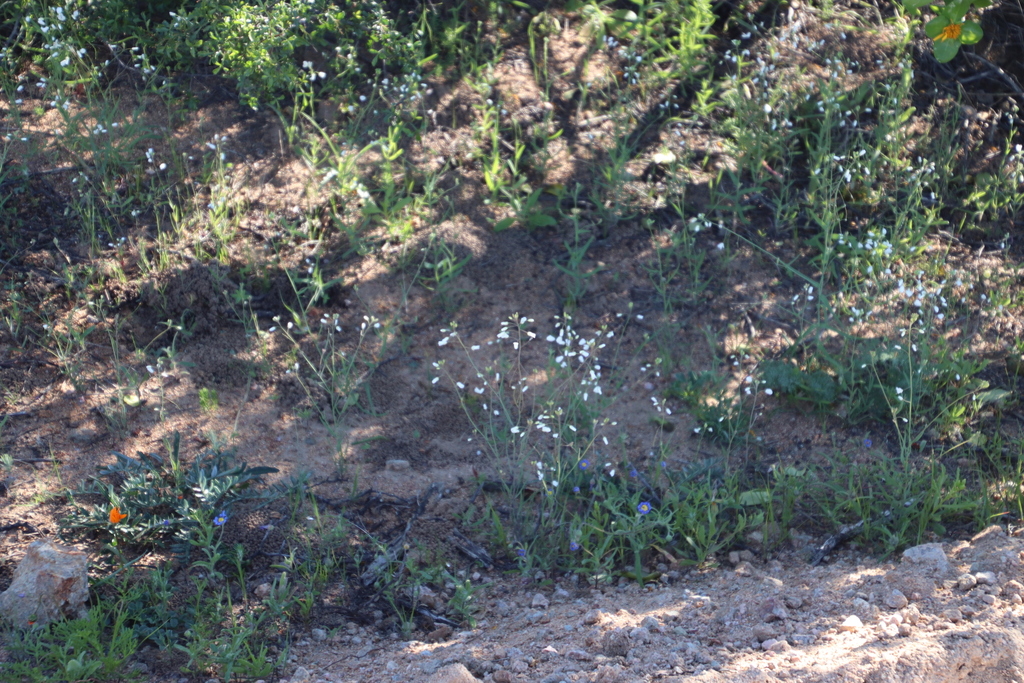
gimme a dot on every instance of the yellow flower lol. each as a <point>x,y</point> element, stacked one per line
<point>951,32</point>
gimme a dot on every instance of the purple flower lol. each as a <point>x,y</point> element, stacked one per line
<point>633,473</point>
<point>575,489</point>
<point>220,519</point>
<point>584,464</point>
<point>521,552</point>
<point>867,443</point>
<point>643,508</point>
<point>574,546</point>
<point>664,465</point>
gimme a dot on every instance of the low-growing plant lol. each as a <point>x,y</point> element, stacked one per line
<point>150,499</point>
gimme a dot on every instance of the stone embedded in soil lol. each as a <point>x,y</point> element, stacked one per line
<point>50,582</point>
<point>896,600</point>
<point>616,643</point>
<point>397,465</point>
<point>966,582</point>
<point>318,634</point>
<point>453,673</point>
<point>1013,587</point>
<point>928,558</point>
<point>592,617</point>
<point>539,601</point>
<point>300,675</point>
<point>985,578</point>
<point>953,614</point>
<point>763,632</point>
<point>852,623</point>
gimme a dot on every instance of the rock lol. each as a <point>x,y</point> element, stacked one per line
<point>928,558</point>
<point>579,655</point>
<point>592,617</point>
<point>539,601</point>
<point>651,624</point>
<point>453,673</point>
<point>896,600</point>
<point>430,666</point>
<point>502,676</point>
<point>441,633</point>
<point>263,590</point>
<point>319,634</point>
<point>616,643</point>
<point>397,465</point>
<point>780,613</point>
<point>988,599</point>
<point>851,624</point>
<point>560,595</point>
<point>904,630</point>
<point>793,601</point>
<point>912,615</point>
<point>966,582</point>
<point>502,608</point>
<point>953,614</point>
<point>139,667</point>
<point>985,578</point>
<point>640,635</point>
<point>51,581</point>
<point>300,675</point>
<point>734,558</point>
<point>518,666</point>
<point>1013,587</point>
<point>803,639</point>
<point>775,646</point>
<point>763,632</point>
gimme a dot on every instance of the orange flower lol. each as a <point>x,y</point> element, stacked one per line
<point>951,32</point>
<point>117,516</point>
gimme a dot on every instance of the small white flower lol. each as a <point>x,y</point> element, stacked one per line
<point>769,391</point>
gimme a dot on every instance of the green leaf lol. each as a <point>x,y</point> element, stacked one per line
<point>541,220</point>
<point>992,396</point>
<point>970,33</point>
<point>758,497</point>
<point>914,4</point>
<point>504,224</point>
<point>934,27</point>
<point>945,50</point>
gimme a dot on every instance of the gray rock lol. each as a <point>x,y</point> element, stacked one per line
<point>300,675</point>
<point>539,601</point>
<point>592,616</point>
<point>966,582</point>
<point>803,639</point>
<point>616,643</point>
<point>896,600</point>
<point>397,465</point>
<point>430,666</point>
<point>986,578</point>
<point>763,632</point>
<point>928,558</point>
<point>453,673</point>
<point>640,635</point>
<point>50,582</point>
<point>319,634</point>
<point>651,624</point>
<point>502,608</point>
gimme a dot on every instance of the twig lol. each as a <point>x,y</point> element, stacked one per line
<point>1007,78</point>
<point>848,532</point>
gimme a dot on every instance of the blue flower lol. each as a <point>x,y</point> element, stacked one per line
<point>664,465</point>
<point>220,519</point>
<point>166,522</point>
<point>633,473</point>
<point>575,489</point>
<point>574,546</point>
<point>584,464</point>
<point>867,443</point>
<point>521,552</point>
<point>643,508</point>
